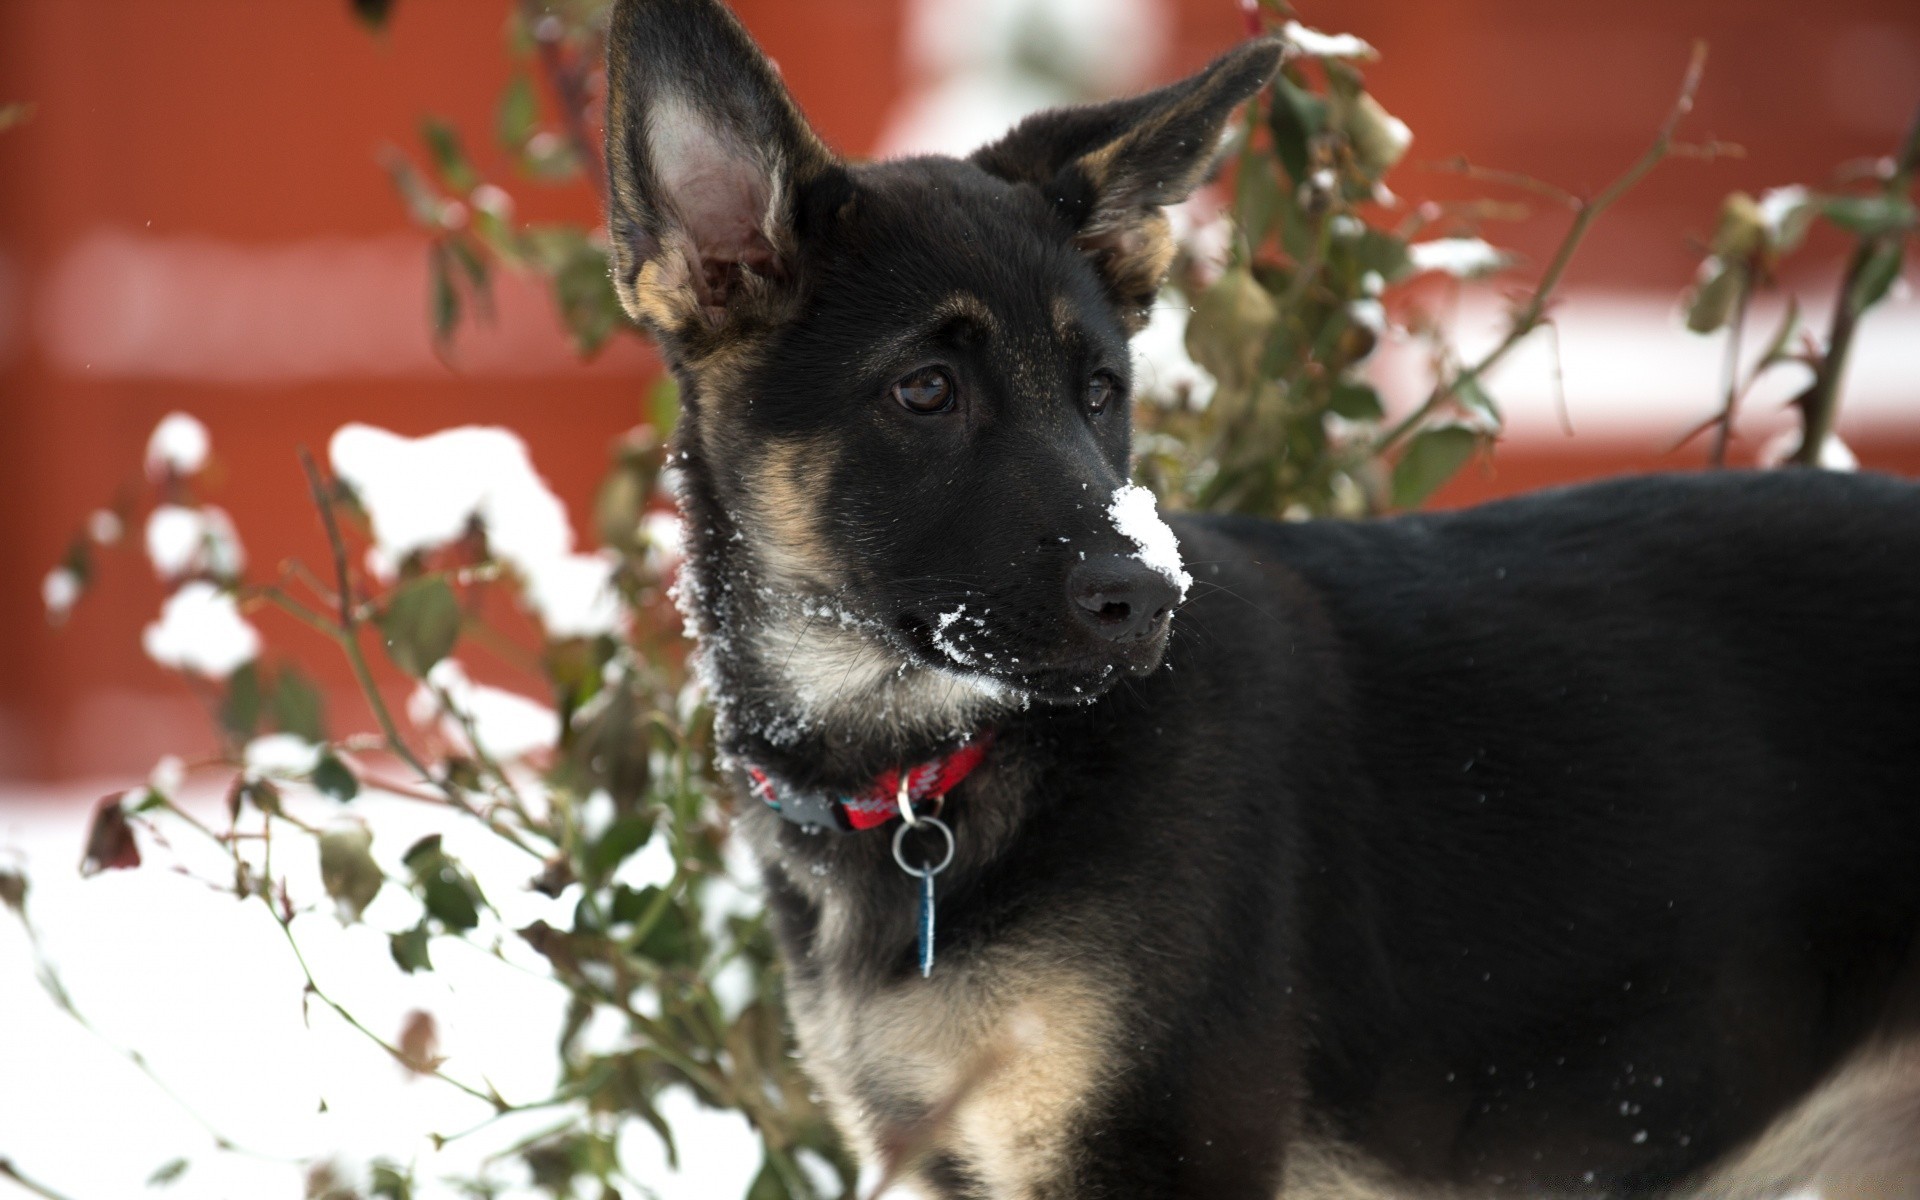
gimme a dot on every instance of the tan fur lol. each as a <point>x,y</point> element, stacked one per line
<point>1855,1138</point>
<point>1040,1023</point>
<point>782,491</point>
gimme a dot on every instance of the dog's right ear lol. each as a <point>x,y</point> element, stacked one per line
<point>706,153</point>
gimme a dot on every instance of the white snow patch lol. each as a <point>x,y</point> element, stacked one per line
<point>189,541</point>
<point>1136,515</point>
<point>1835,455</point>
<point>1315,44</point>
<point>104,526</point>
<point>423,492</point>
<point>60,591</point>
<point>1163,371</point>
<point>1461,257</point>
<point>201,630</point>
<point>287,755</point>
<point>167,775</point>
<point>1780,205</point>
<point>507,724</point>
<point>949,644</point>
<point>177,446</point>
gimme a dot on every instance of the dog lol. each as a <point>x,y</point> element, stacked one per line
<point>1566,846</point>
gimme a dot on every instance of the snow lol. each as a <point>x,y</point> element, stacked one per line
<point>1314,44</point>
<point>1835,455</point>
<point>508,725</point>
<point>287,755</point>
<point>59,591</point>
<point>185,541</point>
<point>177,447</point>
<point>1461,257</point>
<point>1780,205</point>
<point>201,630</point>
<point>421,493</point>
<point>1136,515</point>
<point>104,527</point>
<point>1164,373</point>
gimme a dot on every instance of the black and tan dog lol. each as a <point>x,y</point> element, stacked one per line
<point>1568,846</point>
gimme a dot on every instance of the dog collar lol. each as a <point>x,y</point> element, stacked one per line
<point>895,791</point>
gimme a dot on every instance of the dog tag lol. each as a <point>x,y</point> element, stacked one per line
<point>924,873</point>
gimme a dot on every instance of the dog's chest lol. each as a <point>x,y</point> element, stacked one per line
<point>991,1064</point>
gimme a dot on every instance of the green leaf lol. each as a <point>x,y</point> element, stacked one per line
<point>1470,395</point>
<point>420,624</point>
<point>518,117</point>
<point>1355,401</point>
<point>410,949</point>
<point>1869,216</point>
<point>448,892</point>
<point>240,707</point>
<point>347,869</point>
<point>1712,300</point>
<point>1229,328</point>
<point>626,835</point>
<point>1375,250</point>
<point>167,1172</point>
<point>1294,118</point>
<point>296,706</point>
<point>1257,197</point>
<point>663,407</point>
<point>1876,275</point>
<point>390,1182</point>
<point>374,14</point>
<point>444,304</point>
<point>1431,458</point>
<point>334,778</point>
<point>13,889</point>
<point>449,157</point>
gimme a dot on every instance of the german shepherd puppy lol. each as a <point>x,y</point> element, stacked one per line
<point>1565,846</point>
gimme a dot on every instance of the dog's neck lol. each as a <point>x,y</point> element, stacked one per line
<point>801,681</point>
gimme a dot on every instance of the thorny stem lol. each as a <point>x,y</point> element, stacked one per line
<point>1821,403</point>
<point>1529,316</point>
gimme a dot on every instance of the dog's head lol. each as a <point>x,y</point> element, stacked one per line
<point>906,384</point>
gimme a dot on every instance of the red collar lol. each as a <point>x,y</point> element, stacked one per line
<point>927,784</point>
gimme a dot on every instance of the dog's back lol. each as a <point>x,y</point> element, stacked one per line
<point>1618,851</point>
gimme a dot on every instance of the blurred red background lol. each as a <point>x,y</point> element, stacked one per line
<point>250,131</point>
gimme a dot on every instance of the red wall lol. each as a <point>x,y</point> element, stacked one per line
<point>258,124</point>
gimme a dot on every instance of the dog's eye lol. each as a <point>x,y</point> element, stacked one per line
<point>1101,389</point>
<point>928,390</point>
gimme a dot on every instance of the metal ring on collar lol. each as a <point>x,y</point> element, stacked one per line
<point>899,840</point>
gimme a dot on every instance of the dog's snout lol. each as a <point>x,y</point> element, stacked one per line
<point>1119,598</point>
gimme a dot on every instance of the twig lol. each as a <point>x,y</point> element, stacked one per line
<point>323,501</point>
<point>1458,165</point>
<point>9,1172</point>
<point>1820,404</point>
<point>1529,317</point>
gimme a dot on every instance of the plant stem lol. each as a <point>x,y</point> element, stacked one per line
<point>10,1173</point>
<point>1723,426</point>
<point>1820,404</point>
<point>1531,314</point>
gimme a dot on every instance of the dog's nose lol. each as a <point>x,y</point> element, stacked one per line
<point>1121,599</point>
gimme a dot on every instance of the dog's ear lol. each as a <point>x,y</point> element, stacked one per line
<point>706,154</point>
<point>1109,169</point>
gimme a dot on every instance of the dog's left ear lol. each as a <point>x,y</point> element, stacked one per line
<point>1109,169</point>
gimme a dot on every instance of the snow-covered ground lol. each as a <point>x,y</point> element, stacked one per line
<point>204,986</point>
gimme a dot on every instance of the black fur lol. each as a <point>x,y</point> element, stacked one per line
<point>1560,845</point>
